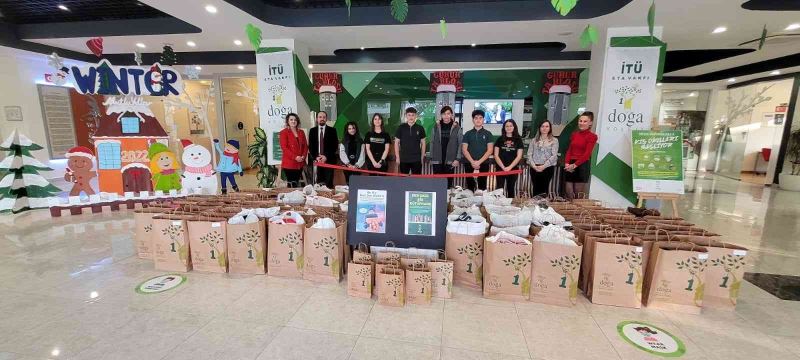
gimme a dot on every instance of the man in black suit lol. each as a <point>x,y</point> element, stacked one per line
<point>323,143</point>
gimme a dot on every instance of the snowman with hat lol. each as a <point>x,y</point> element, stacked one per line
<point>198,174</point>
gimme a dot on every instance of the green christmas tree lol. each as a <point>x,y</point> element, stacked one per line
<point>21,187</point>
<point>168,56</point>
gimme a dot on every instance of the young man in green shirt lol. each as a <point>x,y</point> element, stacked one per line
<point>411,138</point>
<point>477,146</point>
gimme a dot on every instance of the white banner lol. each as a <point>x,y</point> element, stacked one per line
<point>277,97</point>
<point>629,86</point>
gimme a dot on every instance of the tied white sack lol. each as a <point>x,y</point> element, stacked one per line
<point>324,223</point>
<point>296,197</point>
<point>465,198</point>
<point>506,238</point>
<point>545,216</point>
<point>341,189</point>
<point>308,190</point>
<point>343,206</point>
<point>502,210</point>
<point>557,235</point>
<point>469,210</point>
<point>523,230</point>
<point>496,197</point>
<point>249,216</point>
<point>321,188</point>
<point>523,217</point>
<point>288,217</point>
<point>466,224</point>
<point>321,201</point>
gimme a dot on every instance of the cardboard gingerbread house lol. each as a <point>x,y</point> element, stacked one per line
<point>121,143</point>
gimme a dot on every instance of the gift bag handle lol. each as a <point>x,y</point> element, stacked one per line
<point>443,254</point>
<point>358,247</point>
<point>389,244</point>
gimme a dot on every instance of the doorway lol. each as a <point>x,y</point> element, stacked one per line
<point>240,111</point>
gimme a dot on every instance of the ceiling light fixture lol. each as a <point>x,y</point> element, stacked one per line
<point>211,9</point>
<point>198,68</point>
<point>792,27</point>
<point>63,7</point>
<point>473,44</point>
<point>55,352</point>
<point>362,48</point>
<point>732,80</point>
<point>140,45</point>
<point>416,46</point>
<point>310,66</point>
<point>93,295</point>
<point>240,67</point>
<point>692,94</point>
<point>191,43</point>
<point>237,42</point>
<point>720,29</point>
<point>776,72</point>
<point>658,84</point>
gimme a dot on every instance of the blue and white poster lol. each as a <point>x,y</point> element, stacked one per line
<point>371,211</point>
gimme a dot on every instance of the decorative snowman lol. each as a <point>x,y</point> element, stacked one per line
<point>198,174</point>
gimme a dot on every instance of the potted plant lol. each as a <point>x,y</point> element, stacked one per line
<point>791,180</point>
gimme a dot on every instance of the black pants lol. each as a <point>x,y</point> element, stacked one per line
<point>414,168</point>
<point>325,177</point>
<point>481,179</point>
<point>382,168</point>
<point>293,177</point>
<point>541,181</point>
<point>444,169</point>
<point>347,175</point>
<point>508,183</point>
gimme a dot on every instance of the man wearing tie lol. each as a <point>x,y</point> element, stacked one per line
<point>323,143</point>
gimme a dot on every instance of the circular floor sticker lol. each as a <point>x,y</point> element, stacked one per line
<point>651,338</point>
<point>160,284</point>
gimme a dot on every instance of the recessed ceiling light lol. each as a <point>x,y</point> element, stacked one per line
<point>732,80</point>
<point>658,84</point>
<point>211,8</point>
<point>55,352</point>
<point>362,48</point>
<point>310,66</point>
<point>140,45</point>
<point>237,42</point>
<point>93,295</point>
<point>720,29</point>
<point>792,27</point>
<point>416,46</point>
<point>191,43</point>
<point>198,68</point>
<point>776,72</point>
<point>692,94</point>
<point>240,67</point>
<point>63,7</point>
<point>473,45</point>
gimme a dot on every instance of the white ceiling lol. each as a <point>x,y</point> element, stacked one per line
<point>687,25</point>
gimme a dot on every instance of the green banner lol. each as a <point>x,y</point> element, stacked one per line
<point>420,213</point>
<point>657,161</point>
<point>277,152</point>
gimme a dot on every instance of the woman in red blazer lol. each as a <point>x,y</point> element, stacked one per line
<point>295,149</point>
<point>577,161</point>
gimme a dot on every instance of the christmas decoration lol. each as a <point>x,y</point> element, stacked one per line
<point>21,187</point>
<point>96,46</point>
<point>168,56</point>
<point>198,173</point>
<point>80,170</point>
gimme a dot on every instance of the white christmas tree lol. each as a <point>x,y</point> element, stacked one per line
<point>21,187</point>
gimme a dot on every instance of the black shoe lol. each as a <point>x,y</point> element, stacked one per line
<point>236,188</point>
<point>224,191</point>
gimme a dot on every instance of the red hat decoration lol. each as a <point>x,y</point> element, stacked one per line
<point>96,46</point>
<point>80,151</point>
<point>186,143</point>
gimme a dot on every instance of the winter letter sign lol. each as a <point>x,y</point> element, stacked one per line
<point>106,79</point>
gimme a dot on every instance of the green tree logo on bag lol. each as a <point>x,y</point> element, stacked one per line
<point>730,263</point>
<point>472,251</point>
<point>250,239</point>
<point>568,264</point>
<point>328,245</point>
<point>633,259</point>
<point>695,266</point>
<point>175,234</point>
<point>519,262</point>
<point>214,240</point>
<point>293,242</point>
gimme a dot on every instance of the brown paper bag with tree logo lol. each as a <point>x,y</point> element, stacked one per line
<point>587,258</point>
<point>554,273</point>
<point>285,250</point>
<point>442,276</point>
<point>361,254</point>
<point>507,269</point>
<point>411,259</point>
<point>247,245</point>
<point>617,272</point>
<point>207,237</point>
<point>143,233</point>
<point>724,273</point>
<point>360,279</point>
<point>322,252</point>
<point>390,282</point>
<point>171,243</point>
<point>388,256</point>
<point>466,252</point>
<point>419,283</point>
<point>675,277</point>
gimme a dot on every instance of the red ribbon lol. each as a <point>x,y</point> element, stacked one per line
<point>430,176</point>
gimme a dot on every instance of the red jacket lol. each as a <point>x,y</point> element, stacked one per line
<point>293,147</point>
<point>581,145</point>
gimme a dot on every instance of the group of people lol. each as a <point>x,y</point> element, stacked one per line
<point>450,148</point>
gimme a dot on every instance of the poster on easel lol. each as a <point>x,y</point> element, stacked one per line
<point>657,161</point>
<point>420,213</point>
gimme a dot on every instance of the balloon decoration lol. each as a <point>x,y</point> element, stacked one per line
<point>96,46</point>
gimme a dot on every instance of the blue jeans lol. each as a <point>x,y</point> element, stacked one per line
<point>228,177</point>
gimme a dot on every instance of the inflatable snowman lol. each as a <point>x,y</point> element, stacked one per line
<point>198,176</point>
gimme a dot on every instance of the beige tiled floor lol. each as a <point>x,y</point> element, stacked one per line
<point>51,268</point>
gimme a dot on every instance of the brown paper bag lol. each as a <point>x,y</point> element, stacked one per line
<point>466,252</point>
<point>411,259</point>
<point>388,256</point>
<point>617,273</point>
<point>554,273</point>
<point>587,258</point>
<point>507,271</point>
<point>207,241</point>
<point>361,254</point>
<point>390,283</point>
<point>724,273</point>
<point>171,243</point>
<point>442,276</point>
<point>285,250</point>
<point>418,285</point>
<point>675,277</point>
<point>322,252</point>
<point>359,279</point>
<point>143,233</point>
<point>247,245</point>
